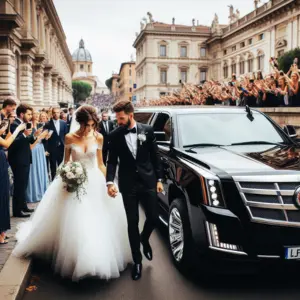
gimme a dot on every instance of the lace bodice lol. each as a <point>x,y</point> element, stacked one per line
<point>88,158</point>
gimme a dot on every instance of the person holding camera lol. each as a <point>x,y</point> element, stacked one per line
<point>19,157</point>
<point>4,182</point>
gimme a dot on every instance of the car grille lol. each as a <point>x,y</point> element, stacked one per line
<point>269,199</point>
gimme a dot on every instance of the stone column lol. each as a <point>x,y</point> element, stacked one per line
<point>295,33</point>
<point>272,42</point>
<point>38,85</point>
<point>47,89</point>
<point>17,6</point>
<point>43,34</point>
<point>54,90</point>
<point>7,74</point>
<point>27,15</point>
<point>26,87</point>
<point>34,25</point>
<point>290,35</point>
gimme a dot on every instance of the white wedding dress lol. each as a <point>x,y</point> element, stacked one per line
<point>82,238</point>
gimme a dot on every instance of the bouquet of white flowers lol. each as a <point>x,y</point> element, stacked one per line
<point>74,175</point>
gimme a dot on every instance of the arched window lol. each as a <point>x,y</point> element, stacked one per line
<point>225,70</point>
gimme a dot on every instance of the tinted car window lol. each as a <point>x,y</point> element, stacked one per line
<point>143,118</point>
<point>163,124</point>
<point>226,129</point>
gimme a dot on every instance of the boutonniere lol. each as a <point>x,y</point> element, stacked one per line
<point>142,137</point>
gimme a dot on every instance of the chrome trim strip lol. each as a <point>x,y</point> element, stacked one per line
<point>268,178</point>
<point>267,192</point>
<point>274,222</point>
<point>208,234</point>
<point>163,221</point>
<point>271,205</point>
<point>228,251</point>
<point>268,256</point>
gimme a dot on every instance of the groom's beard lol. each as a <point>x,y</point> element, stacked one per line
<point>127,125</point>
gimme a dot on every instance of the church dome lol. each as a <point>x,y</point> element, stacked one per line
<point>82,54</point>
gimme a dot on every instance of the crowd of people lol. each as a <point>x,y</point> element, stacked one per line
<point>31,149</point>
<point>274,90</point>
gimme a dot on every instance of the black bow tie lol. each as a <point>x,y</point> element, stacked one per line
<point>133,130</point>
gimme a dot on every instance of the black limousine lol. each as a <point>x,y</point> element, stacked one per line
<point>231,179</point>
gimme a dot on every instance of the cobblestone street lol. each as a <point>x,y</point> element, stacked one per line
<point>7,249</point>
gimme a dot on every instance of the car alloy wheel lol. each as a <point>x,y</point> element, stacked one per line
<point>176,235</point>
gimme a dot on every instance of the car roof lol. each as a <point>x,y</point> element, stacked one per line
<point>193,109</point>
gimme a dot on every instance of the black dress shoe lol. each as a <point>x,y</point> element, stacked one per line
<point>136,272</point>
<point>21,214</point>
<point>147,250</point>
<point>28,210</point>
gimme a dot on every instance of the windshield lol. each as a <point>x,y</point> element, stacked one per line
<point>226,129</point>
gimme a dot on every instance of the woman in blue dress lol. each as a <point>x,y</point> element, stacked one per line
<point>38,176</point>
<point>5,143</point>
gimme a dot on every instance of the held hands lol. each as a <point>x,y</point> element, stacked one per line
<point>43,135</point>
<point>112,190</point>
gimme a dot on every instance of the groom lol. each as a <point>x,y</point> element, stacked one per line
<point>134,146</point>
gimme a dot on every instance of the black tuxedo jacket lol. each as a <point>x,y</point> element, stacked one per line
<point>56,140</point>
<point>104,132</point>
<point>146,166</point>
<point>19,153</point>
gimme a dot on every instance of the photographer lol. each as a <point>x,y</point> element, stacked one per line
<point>4,182</point>
<point>19,157</point>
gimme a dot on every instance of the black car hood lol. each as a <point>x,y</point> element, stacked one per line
<point>250,159</point>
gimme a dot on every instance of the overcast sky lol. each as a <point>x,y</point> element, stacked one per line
<point>108,26</point>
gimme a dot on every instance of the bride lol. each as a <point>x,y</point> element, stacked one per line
<point>81,238</point>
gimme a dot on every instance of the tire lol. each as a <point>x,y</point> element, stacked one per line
<point>180,236</point>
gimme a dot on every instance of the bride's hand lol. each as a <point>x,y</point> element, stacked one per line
<point>112,190</point>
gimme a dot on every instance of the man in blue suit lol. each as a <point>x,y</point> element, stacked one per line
<point>56,143</point>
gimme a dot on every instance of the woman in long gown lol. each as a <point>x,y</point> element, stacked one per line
<point>38,176</point>
<point>81,238</point>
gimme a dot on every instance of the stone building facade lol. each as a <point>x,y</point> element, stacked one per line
<point>35,63</point>
<point>169,54</point>
<point>126,81</point>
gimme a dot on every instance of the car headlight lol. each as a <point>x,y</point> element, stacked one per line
<point>212,192</point>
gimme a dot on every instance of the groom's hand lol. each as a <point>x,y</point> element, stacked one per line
<point>159,187</point>
<point>112,190</point>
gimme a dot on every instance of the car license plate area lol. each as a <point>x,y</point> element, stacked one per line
<point>292,253</point>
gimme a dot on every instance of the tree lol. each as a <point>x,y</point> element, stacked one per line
<point>287,59</point>
<point>81,91</point>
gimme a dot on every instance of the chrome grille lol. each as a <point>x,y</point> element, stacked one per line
<point>269,199</point>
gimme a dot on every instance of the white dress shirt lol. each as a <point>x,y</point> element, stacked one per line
<point>106,127</point>
<point>131,140</point>
<point>57,126</point>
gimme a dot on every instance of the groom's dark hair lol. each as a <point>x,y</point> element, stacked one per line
<point>124,105</point>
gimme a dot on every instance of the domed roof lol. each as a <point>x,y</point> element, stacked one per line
<point>82,54</point>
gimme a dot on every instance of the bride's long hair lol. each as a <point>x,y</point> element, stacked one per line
<point>84,114</point>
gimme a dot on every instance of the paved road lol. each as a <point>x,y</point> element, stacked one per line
<point>162,281</point>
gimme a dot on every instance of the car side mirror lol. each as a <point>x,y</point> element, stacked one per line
<point>290,131</point>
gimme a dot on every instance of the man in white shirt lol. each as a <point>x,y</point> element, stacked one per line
<point>133,147</point>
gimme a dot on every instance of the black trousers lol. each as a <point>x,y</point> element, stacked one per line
<point>21,177</point>
<point>131,200</point>
<point>55,158</point>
